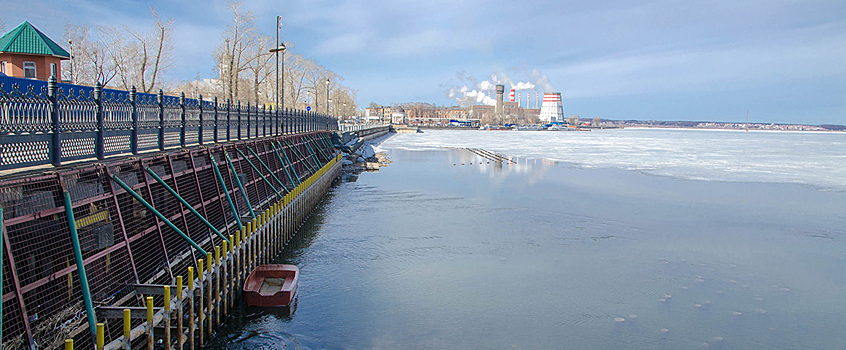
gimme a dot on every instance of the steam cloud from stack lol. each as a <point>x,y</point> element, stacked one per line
<point>473,91</point>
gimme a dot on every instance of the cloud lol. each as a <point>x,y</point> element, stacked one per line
<point>723,67</point>
<point>343,44</point>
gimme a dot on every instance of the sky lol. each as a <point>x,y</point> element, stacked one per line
<point>778,61</point>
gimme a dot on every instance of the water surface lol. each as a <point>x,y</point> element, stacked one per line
<point>444,250</point>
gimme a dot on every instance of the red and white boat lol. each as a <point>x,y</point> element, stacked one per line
<point>271,285</point>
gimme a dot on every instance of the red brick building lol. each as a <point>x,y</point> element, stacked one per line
<point>25,52</point>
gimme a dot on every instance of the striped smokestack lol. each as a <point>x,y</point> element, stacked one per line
<point>511,96</point>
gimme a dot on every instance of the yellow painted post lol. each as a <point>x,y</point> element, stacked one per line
<point>127,329</point>
<point>209,307</point>
<point>263,235</point>
<point>258,240</point>
<point>238,254</point>
<point>225,276</point>
<point>266,237</point>
<point>150,340</point>
<point>236,269</point>
<point>253,261</point>
<point>230,268</point>
<point>248,258</point>
<point>217,285</point>
<point>201,314</point>
<point>68,344</point>
<point>191,308</point>
<point>101,331</point>
<point>166,317</point>
<point>180,340</point>
<point>276,229</point>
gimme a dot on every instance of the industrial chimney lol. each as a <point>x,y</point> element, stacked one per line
<point>511,96</point>
<point>500,90</point>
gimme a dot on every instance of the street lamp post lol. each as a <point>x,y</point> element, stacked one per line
<point>70,43</point>
<point>279,47</point>
<point>327,96</point>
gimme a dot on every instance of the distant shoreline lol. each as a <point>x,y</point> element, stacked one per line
<point>775,128</point>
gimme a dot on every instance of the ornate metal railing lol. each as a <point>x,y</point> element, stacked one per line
<point>54,123</point>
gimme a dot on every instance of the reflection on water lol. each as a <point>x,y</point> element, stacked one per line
<point>429,253</point>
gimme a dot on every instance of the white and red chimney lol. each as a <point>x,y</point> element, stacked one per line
<point>511,96</point>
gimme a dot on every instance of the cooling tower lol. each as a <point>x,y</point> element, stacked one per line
<point>552,110</point>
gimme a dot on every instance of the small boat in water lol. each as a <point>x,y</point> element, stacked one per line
<point>494,127</point>
<point>533,127</point>
<point>271,285</point>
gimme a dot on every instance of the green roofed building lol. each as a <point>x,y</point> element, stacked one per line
<point>25,52</point>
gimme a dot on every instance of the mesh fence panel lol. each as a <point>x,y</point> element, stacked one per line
<point>121,240</point>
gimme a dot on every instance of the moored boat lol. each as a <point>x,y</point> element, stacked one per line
<point>271,285</point>
<point>532,127</point>
<point>494,127</point>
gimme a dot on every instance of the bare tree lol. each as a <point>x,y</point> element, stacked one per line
<point>92,57</point>
<point>148,56</point>
<point>259,66</point>
<point>246,68</point>
<point>2,26</point>
<point>297,70</point>
<point>134,59</point>
<point>233,56</point>
<point>573,120</point>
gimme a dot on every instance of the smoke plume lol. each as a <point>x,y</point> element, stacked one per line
<point>472,91</point>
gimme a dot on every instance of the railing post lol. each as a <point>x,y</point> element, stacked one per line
<point>228,120</point>
<point>216,119</point>
<point>284,120</point>
<point>248,120</point>
<point>182,117</point>
<point>56,141</point>
<point>133,101</point>
<point>238,111</point>
<point>263,120</point>
<point>200,105</point>
<point>160,101</point>
<point>100,143</point>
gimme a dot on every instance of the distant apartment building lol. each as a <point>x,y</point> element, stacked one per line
<point>380,113</point>
<point>25,52</point>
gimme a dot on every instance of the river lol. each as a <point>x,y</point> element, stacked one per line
<point>637,239</point>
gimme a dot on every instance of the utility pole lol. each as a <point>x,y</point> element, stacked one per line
<point>279,47</point>
<point>327,96</point>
